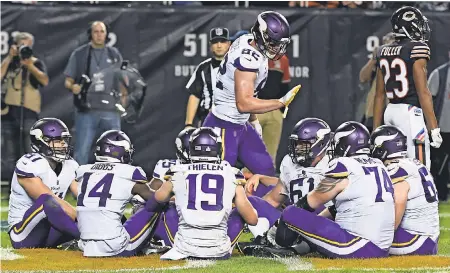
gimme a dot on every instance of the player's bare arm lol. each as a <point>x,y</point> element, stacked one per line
<point>191,109</point>
<point>35,188</point>
<point>254,180</point>
<point>245,88</point>
<point>143,190</point>
<point>74,188</point>
<point>164,193</point>
<point>244,207</point>
<point>327,189</point>
<point>379,100</point>
<point>276,196</point>
<point>425,98</point>
<point>401,190</point>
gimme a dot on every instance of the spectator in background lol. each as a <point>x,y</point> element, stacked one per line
<point>439,85</point>
<point>277,86</point>
<point>367,75</point>
<point>203,81</point>
<point>90,59</point>
<point>23,74</point>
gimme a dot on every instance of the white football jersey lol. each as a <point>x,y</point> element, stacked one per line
<point>162,166</point>
<point>366,207</point>
<point>104,189</point>
<point>36,165</point>
<point>204,194</point>
<point>244,57</point>
<point>421,214</point>
<point>298,180</point>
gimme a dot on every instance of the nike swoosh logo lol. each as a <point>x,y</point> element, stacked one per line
<point>248,59</point>
<point>24,163</point>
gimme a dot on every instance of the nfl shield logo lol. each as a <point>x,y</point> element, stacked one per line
<point>219,31</point>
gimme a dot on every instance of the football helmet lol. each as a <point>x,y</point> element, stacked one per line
<point>271,32</point>
<point>43,135</point>
<point>114,146</point>
<point>182,144</point>
<point>351,138</point>
<point>309,139</point>
<point>387,142</point>
<point>205,145</point>
<point>409,22</point>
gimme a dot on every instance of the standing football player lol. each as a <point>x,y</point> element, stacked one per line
<point>104,189</point>
<point>204,191</point>
<point>416,202</point>
<point>242,74</point>
<point>364,205</point>
<point>300,172</point>
<point>38,215</point>
<point>402,77</point>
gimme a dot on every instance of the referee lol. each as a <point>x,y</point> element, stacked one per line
<point>203,80</point>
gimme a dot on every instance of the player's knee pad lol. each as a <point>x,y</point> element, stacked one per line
<point>285,237</point>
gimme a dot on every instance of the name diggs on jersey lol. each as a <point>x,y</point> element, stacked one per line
<point>102,166</point>
<point>391,51</point>
<point>205,167</point>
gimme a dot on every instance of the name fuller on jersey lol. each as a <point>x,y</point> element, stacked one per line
<point>391,51</point>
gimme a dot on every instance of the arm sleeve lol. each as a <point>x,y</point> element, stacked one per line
<point>420,51</point>
<point>337,169</point>
<point>71,67</point>
<point>195,84</point>
<point>31,165</point>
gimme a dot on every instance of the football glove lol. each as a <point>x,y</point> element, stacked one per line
<point>436,138</point>
<point>289,97</point>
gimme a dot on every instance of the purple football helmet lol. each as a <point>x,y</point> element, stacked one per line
<point>44,133</point>
<point>387,142</point>
<point>205,145</point>
<point>309,139</point>
<point>272,34</point>
<point>114,146</point>
<point>182,144</point>
<point>351,138</point>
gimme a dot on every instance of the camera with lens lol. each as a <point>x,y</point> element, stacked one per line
<point>25,52</point>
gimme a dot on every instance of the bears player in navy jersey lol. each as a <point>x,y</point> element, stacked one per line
<point>402,77</point>
<point>242,73</point>
<point>38,215</point>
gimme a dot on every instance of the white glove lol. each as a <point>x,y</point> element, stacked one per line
<point>257,127</point>
<point>289,97</point>
<point>436,138</point>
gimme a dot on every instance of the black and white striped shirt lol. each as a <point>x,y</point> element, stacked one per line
<point>202,84</point>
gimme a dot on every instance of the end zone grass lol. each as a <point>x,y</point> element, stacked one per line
<point>46,260</point>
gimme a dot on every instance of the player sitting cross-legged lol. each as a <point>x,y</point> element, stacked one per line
<point>206,224</point>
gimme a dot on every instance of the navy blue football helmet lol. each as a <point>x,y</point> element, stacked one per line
<point>408,22</point>
<point>182,144</point>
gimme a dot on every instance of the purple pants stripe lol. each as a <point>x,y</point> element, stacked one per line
<point>406,243</point>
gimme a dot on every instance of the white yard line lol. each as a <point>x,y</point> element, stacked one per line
<point>189,264</point>
<point>296,264</point>
<point>7,254</point>
<point>444,215</point>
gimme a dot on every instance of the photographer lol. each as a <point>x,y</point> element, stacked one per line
<point>22,75</point>
<point>85,65</point>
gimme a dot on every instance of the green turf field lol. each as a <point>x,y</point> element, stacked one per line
<point>45,260</point>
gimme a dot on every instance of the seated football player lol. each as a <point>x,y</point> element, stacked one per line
<point>163,165</point>
<point>416,203</point>
<point>206,225</point>
<point>104,189</point>
<point>300,172</point>
<point>363,213</point>
<point>38,215</point>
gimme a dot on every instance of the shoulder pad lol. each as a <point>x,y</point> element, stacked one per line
<point>139,175</point>
<point>337,169</point>
<point>420,50</point>
<point>249,60</point>
<point>31,165</point>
